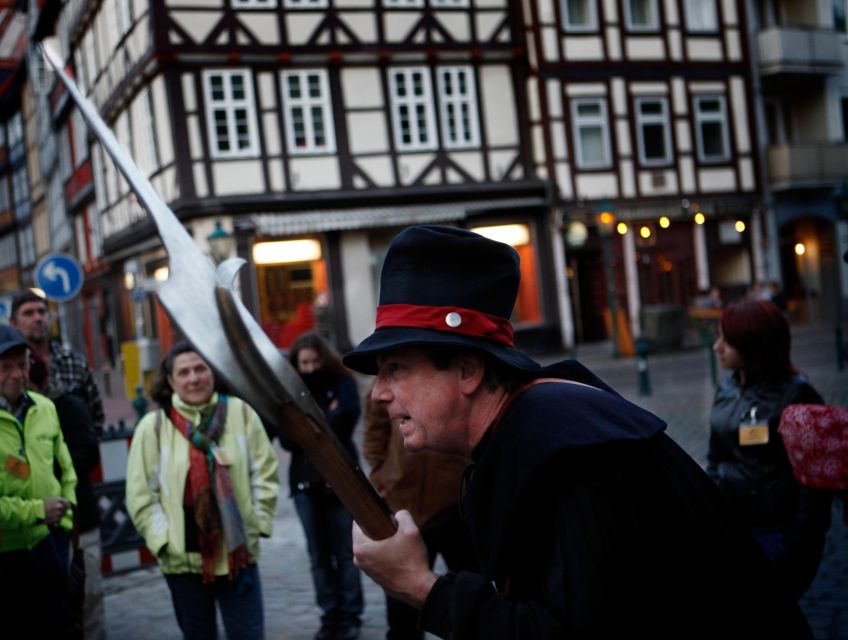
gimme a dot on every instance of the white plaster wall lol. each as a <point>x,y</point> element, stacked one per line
<point>367,132</point>
<point>317,172</point>
<point>231,177</point>
<point>583,48</point>
<point>597,185</point>
<point>363,25</point>
<point>362,88</point>
<point>498,103</point>
<point>716,180</point>
<point>644,48</point>
<point>378,168</point>
<point>263,25</point>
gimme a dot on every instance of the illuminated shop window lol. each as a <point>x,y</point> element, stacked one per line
<point>292,282</point>
<point>528,305</point>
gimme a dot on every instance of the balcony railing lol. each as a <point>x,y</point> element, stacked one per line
<point>800,50</point>
<point>807,164</point>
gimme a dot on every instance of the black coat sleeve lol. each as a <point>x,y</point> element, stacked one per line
<point>79,431</point>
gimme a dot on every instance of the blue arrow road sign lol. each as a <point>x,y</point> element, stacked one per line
<point>59,276</point>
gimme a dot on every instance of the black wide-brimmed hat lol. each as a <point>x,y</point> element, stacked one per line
<point>445,286</point>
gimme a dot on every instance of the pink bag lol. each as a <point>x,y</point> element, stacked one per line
<point>816,440</point>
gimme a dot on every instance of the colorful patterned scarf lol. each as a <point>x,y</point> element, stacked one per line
<point>215,510</point>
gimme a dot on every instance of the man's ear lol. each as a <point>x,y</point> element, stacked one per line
<point>472,368</point>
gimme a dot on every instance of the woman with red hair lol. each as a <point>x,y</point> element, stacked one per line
<point>747,457</point>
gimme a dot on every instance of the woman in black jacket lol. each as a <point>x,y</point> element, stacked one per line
<point>326,523</point>
<point>747,458</point>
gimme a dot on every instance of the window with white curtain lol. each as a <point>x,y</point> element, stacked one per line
<point>653,131</point>
<point>701,15</point>
<point>308,113</point>
<point>711,129</point>
<point>591,133</point>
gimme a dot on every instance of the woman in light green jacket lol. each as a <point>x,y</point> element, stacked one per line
<point>201,489</point>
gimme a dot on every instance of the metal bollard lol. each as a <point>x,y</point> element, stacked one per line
<point>642,366</point>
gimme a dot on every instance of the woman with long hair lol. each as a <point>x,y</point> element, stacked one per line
<point>747,457</point>
<point>326,523</point>
<point>201,489</point>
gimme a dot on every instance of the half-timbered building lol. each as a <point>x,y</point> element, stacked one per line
<point>642,110</point>
<point>313,130</point>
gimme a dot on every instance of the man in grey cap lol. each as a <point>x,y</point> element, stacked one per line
<point>587,520</point>
<point>35,500</point>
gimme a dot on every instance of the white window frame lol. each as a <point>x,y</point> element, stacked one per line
<point>303,4</point>
<point>468,135</point>
<point>306,104</point>
<point>653,119</point>
<point>403,4</point>
<point>689,10</point>
<point>449,4</point>
<point>654,24</point>
<point>230,106</point>
<point>265,4</point>
<point>578,122</point>
<point>590,25</point>
<point>711,117</point>
<point>425,101</point>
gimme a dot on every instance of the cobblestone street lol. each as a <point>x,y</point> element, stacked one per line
<point>138,603</point>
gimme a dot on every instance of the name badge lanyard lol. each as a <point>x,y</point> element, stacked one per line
<point>752,431</point>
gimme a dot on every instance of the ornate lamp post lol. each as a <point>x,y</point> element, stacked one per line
<point>220,243</point>
<point>606,228</point>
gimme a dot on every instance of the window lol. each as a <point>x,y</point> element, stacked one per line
<point>20,192</point>
<point>65,163</point>
<point>80,135</point>
<point>839,22</point>
<point>266,4</point>
<point>652,131</point>
<point>16,136</point>
<point>844,104</point>
<point>701,15</point>
<point>458,107</point>
<point>303,4</point>
<point>145,142</point>
<point>448,4</point>
<point>641,15</point>
<point>26,243</point>
<point>580,15</point>
<point>5,204</point>
<point>308,115</point>
<point>403,4</point>
<point>711,129</point>
<point>412,109</point>
<point>230,116</point>
<point>591,133</point>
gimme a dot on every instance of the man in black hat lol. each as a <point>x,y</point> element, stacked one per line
<point>37,483</point>
<point>587,519</point>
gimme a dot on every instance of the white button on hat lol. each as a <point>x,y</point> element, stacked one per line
<point>453,319</point>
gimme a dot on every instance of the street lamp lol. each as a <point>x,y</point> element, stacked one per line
<point>606,225</point>
<point>220,243</point>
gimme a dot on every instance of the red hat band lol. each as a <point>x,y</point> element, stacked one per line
<point>467,322</point>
